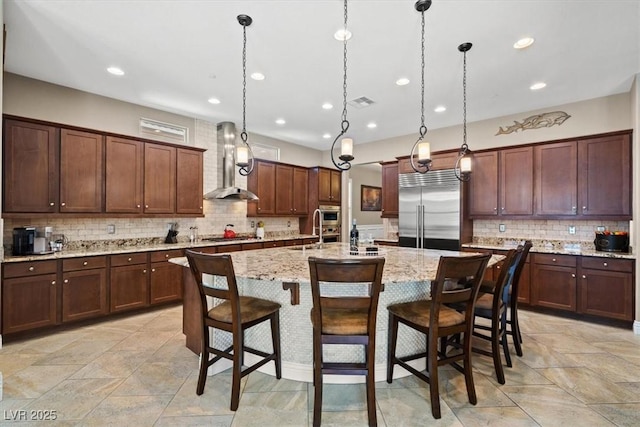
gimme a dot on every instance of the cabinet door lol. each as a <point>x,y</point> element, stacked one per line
<point>81,171</point>
<point>129,287</point>
<point>124,174</point>
<point>516,181</point>
<point>28,302</point>
<point>166,283</point>
<point>324,185</point>
<point>284,189</point>
<point>300,191</point>
<point>336,185</point>
<point>390,190</point>
<point>524,290</point>
<point>556,182</point>
<point>159,178</point>
<point>30,174</point>
<point>483,195</point>
<point>606,293</point>
<point>189,181</point>
<point>84,294</point>
<point>262,182</point>
<point>604,180</point>
<point>554,286</point>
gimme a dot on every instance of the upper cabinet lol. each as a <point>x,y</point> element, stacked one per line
<point>262,183</point>
<point>61,171</point>
<point>585,178</point>
<point>282,189</point>
<point>389,190</point>
<point>329,184</point>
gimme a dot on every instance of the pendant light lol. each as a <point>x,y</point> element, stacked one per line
<point>462,169</point>
<point>244,154</point>
<point>424,150</point>
<point>347,143</point>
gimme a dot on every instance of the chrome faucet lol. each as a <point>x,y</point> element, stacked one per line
<point>313,226</point>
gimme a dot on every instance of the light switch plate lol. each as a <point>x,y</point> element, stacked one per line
<point>572,229</point>
<point>502,228</point>
<point>111,229</point>
<point>601,228</point>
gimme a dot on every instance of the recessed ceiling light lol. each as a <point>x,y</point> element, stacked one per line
<point>214,101</point>
<point>327,106</point>
<point>440,109</point>
<point>372,125</point>
<point>281,121</point>
<point>402,81</point>
<point>523,42</point>
<point>115,71</point>
<point>341,34</point>
<point>326,136</point>
<point>537,86</point>
<point>257,76</point>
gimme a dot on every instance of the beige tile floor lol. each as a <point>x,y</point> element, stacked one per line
<point>135,371</point>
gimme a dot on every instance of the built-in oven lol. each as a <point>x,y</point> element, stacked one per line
<point>330,223</point>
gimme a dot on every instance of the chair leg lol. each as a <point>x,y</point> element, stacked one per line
<point>371,385</point>
<point>317,380</point>
<point>468,372</point>
<point>275,337</point>
<point>392,339</point>
<point>515,331</point>
<point>204,361</point>
<point>238,350</point>
<point>432,368</point>
<point>496,338</point>
<point>503,338</point>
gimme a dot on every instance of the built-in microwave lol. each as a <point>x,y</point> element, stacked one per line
<point>330,216</point>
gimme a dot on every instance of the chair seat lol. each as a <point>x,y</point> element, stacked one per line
<point>251,309</point>
<point>419,312</point>
<point>344,321</point>
<point>484,302</point>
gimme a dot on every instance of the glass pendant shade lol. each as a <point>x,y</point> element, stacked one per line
<point>242,156</point>
<point>424,151</point>
<point>347,147</point>
<point>465,164</point>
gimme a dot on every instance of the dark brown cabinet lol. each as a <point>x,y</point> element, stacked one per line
<point>606,287</point>
<point>159,178</point>
<point>124,175</point>
<point>84,288</point>
<point>556,179</point>
<point>31,163</point>
<point>555,281</point>
<point>300,190</point>
<point>189,181</point>
<point>29,295</point>
<point>483,195</point>
<point>262,182</point>
<point>329,185</point>
<point>291,190</point>
<point>129,286</point>
<point>81,171</point>
<point>389,190</point>
<point>166,278</point>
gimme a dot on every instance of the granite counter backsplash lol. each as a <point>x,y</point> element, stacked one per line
<point>546,246</point>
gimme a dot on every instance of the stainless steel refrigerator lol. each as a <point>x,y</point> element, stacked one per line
<point>429,210</point>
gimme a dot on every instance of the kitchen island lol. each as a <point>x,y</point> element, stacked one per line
<point>282,275</point>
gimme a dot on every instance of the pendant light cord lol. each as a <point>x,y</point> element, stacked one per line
<point>243,135</point>
<point>345,122</point>
<point>423,128</point>
<point>464,147</point>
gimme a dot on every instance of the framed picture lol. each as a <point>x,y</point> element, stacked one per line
<point>370,198</point>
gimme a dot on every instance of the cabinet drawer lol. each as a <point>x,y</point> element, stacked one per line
<point>274,244</point>
<point>128,259</point>
<point>84,263</point>
<point>165,255</point>
<point>552,259</point>
<point>250,246</point>
<point>20,269</point>
<point>597,263</point>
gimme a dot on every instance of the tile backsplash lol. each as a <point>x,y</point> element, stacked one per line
<point>545,229</point>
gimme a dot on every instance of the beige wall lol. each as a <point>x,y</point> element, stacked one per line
<point>364,175</point>
<point>635,239</point>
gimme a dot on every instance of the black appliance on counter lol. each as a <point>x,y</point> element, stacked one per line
<point>23,240</point>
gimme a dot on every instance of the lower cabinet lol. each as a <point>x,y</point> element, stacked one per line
<point>606,287</point>
<point>29,295</point>
<point>555,281</point>
<point>129,282</point>
<point>84,288</point>
<point>166,278</point>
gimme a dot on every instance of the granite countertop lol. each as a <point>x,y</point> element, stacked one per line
<point>548,247</point>
<point>290,264</point>
<point>111,247</point>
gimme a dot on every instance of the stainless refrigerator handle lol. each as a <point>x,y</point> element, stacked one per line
<point>418,228</point>
<point>421,226</point>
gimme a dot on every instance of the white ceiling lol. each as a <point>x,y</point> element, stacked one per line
<point>178,54</point>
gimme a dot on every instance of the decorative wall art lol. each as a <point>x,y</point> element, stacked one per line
<point>370,198</point>
<point>535,122</point>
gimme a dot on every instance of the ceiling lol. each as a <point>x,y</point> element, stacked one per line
<point>178,54</point>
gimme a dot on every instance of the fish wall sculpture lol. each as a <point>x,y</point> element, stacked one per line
<point>535,122</point>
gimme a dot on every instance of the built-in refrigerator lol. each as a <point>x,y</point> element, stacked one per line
<point>429,210</point>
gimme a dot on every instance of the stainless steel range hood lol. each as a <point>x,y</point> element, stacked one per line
<point>226,142</point>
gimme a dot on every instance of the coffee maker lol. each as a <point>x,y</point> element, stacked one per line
<point>23,240</point>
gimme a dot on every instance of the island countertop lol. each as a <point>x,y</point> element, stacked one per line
<point>290,264</point>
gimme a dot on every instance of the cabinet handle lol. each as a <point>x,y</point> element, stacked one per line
<point>137,206</point>
<point>166,255</point>
<point>502,208</point>
<point>498,267</point>
<point>144,271</point>
<point>129,260</point>
<point>554,260</point>
<point>146,206</point>
<point>85,263</point>
<point>66,280</point>
<point>584,277</point>
<point>153,270</point>
<point>63,204</point>
<point>53,282</point>
<point>573,275</point>
<point>495,209</point>
<point>200,207</point>
<point>52,204</point>
<point>573,209</point>
<point>32,268</point>
<point>605,264</point>
<point>584,208</point>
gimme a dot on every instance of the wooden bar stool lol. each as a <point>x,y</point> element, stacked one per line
<point>235,314</point>
<point>346,316</point>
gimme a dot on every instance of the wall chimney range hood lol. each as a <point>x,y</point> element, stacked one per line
<point>226,143</point>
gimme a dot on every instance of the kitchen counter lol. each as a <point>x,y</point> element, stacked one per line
<point>111,247</point>
<point>549,247</point>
